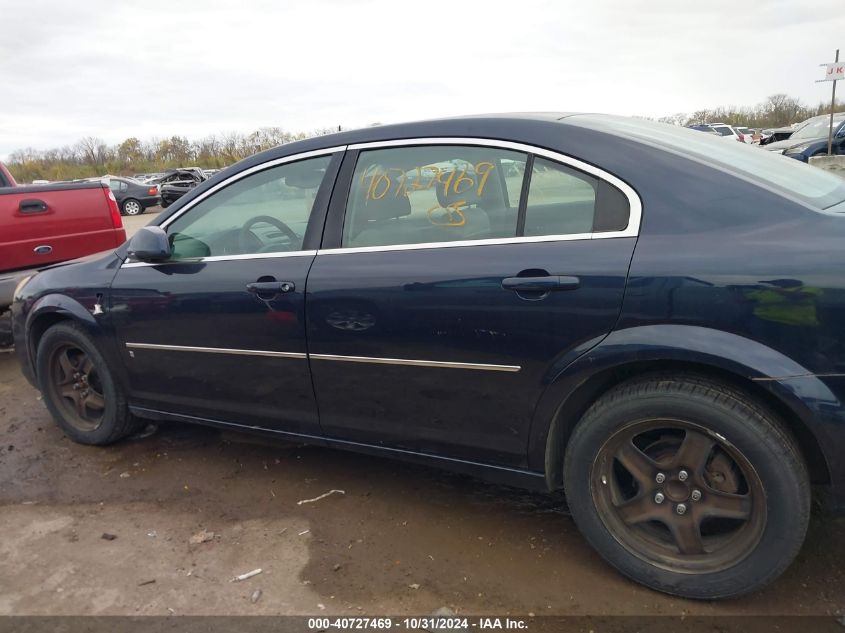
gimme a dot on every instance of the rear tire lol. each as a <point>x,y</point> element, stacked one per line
<point>79,389</point>
<point>132,207</point>
<point>688,486</point>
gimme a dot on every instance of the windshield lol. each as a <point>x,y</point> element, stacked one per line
<point>816,127</point>
<point>811,185</point>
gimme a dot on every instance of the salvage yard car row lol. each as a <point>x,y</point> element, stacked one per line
<point>801,142</point>
<point>644,316</point>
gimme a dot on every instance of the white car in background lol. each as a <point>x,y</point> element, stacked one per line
<point>729,132</point>
<point>747,134</point>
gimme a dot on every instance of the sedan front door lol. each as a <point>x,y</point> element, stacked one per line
<point>218,331</point>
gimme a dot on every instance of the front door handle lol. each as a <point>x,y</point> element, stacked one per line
<point>32,205</point>
<point>546,283</point>
<point>272,288</point>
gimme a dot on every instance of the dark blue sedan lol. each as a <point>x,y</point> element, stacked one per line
<point>811,139</point>
<point>642,315</point>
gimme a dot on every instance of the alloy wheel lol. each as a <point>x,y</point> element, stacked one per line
<point>678,496</point>
<point>76,387</point>
<point>132,207</point>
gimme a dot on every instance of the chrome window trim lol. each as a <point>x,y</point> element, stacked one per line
<point>634,202</point>
<point>216,350</point>
<point>331,357</point>
<point>415,362</point>
<point>457,243</point>
<point>221,258</point>
<point>231,179</point>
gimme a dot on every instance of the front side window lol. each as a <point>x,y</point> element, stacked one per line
<point>433,193</point>
<point>266,212</point>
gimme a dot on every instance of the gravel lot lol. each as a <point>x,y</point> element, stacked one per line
<point>133,223</point>
<point>403,539</point>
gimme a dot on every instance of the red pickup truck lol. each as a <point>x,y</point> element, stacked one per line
<point>48,224</point>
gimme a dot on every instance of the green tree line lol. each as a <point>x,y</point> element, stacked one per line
<point>91,156</point>
<point>778,110</point>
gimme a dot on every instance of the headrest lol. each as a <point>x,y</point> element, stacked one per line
<point>386,208</point>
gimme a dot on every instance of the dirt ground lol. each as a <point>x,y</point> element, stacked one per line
<point>403,539</point>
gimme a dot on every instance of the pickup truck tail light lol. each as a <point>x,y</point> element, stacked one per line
<point>116,220</point>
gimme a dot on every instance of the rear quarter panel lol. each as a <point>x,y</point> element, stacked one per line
<point>730,275</point>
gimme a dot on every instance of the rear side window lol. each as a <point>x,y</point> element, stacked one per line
<point>723,130</point>
<point>446,193</point>
<point>433,193</point>
<point>561,200</point>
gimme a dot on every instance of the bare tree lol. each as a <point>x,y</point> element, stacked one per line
<point>781,109</point>
<point>93,151</point>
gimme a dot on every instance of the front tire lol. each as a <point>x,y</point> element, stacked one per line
<point>688,487</point>
<point>132,207</point>
<point>79,389</point>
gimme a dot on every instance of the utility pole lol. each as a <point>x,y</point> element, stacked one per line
<point>832,106</point>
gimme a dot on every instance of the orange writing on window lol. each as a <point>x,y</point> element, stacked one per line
<point>453,181</point>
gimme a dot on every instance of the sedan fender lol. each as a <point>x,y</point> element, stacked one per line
<point>53,308</point>
<point>805,398</point>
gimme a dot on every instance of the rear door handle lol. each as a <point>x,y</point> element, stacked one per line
<point>262,288</point>
<point>32,205</point>
<point>546,283</point>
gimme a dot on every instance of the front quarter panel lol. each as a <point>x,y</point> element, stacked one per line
<point>67,292</point>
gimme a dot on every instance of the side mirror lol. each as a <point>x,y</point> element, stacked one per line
<point>150,244</point>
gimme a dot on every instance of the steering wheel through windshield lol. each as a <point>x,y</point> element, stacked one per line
<point>250,243</point>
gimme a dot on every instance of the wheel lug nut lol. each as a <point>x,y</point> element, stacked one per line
<point>658,498</point>
<point>660,478</point>
<point>681,509</point>
<point>683,475</point>
<point>696,495</point>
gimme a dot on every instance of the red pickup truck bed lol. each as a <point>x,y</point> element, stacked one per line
<point>48,224</point>
<point>45,224</point>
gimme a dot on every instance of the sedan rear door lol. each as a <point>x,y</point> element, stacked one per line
<point>454,280</point>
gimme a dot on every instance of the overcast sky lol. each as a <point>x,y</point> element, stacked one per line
<point>153,69</point>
